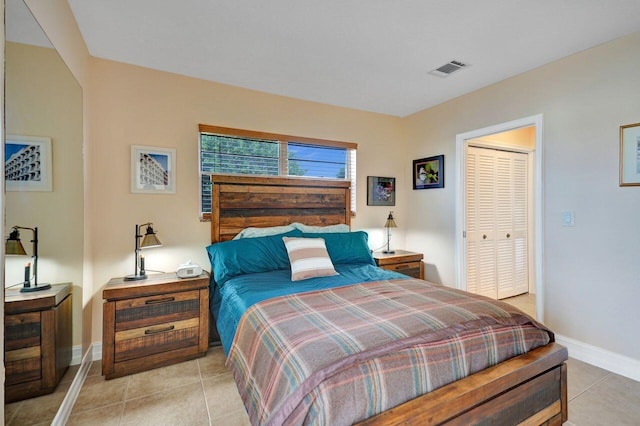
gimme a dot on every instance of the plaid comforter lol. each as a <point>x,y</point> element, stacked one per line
<point>338,356</point>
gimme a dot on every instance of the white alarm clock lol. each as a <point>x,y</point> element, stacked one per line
<point>188,270</point>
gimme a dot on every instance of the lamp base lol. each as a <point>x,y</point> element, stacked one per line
<point>39,287</point>
<point>389,251</point>
<point>135,277</point>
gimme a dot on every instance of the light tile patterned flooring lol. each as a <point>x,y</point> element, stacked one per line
<point>197,392</point>
<point>202,392</point>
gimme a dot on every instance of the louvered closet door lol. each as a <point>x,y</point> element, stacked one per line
<point>497,223</point>
<point>511,223</point>
<point>481,222</point>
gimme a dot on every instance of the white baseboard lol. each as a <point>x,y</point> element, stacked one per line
<point>74,390</point>
<point>97,350</point>
<point>76,355</point>
<point>611,361</point>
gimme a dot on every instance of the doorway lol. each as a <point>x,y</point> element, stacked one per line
<point>504,141</point>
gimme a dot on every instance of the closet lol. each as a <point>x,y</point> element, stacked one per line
<point>497,222</point>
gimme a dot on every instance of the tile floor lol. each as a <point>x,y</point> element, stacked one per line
<point>202,392</point>
<point>197,392</point>
<point>40,410</point>
<point>525,302</point>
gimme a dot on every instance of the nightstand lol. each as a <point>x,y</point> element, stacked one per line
<point>37,333</point>
<point>152,323</point>
<point>403,261</point>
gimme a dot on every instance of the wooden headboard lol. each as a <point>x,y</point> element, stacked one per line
<point>240,202</point>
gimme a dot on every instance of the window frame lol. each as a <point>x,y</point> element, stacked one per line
<point>283,140</point>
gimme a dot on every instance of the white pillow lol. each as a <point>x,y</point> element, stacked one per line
<point>318,229</point>
<point>309,258</point>
<point>264,232</point>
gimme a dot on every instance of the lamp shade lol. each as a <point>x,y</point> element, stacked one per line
<point>150,238</point>
<point>390,223</point>
<point>13,246</point>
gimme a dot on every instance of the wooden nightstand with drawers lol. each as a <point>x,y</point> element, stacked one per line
<point>152,323</point>
<point>403,261</point>
<point>37,340</point>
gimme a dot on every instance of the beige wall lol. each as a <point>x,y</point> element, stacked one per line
<point>524,137</point>
<point>591,270</point>
<point>591,279</point>
<point>59,24</point>
<point>136,106</point>
<point>57,21</point>
<point>44,99</point>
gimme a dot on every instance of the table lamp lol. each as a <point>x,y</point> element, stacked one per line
<point>13,246</point>
<point>149,239</point>
<point>390,223</point>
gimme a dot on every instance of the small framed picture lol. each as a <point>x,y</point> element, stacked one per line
<point>153,170</point>
<point>428,172</point>
<point>381,191</point>
<point>27,163</point>
<point>630,155</point>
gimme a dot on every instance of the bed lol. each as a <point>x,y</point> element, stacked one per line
<point>524,384</point>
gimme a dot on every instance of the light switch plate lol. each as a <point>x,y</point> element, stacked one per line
<point>568,218</point>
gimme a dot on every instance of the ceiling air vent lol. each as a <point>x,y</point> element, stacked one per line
<point>449,68</point>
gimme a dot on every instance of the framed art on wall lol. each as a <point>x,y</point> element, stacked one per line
<point>381,191</point>
<point>153,170</point>
<point>428,172</point>
<point>27,163</point>
<point>630,155</point>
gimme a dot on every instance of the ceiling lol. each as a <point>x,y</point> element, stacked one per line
<point>372,55</point>
<point>21,27</point>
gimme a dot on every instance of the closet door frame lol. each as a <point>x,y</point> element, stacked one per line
<point>536,231</point>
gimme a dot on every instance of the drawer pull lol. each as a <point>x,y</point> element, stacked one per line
<point>163,300</point>
<point>159,330</point>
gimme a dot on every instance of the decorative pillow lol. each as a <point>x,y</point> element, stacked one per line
<point>309,258</point>
<point>264,232</point>
<point>318,229</point>
<point>248,255</point>
<point>346,247</point>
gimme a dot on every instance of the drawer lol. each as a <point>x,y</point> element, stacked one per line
<point>153,310</point>
<point>411,269</point>
<point>155,324</point>
<point>22,348</point>
<point>23,365</point>
<point>22,330</point>
<point>158,338</point>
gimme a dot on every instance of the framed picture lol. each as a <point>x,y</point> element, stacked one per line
<point>381,191</point>
<point>428,172</point>
<point>153,170</point>
<point>630,155</point>
<point>27,163</point>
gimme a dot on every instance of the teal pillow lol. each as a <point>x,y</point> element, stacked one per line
<point>346,247</point>
<point>249,255</point>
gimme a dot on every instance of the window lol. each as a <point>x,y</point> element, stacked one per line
<point>235,151</point>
